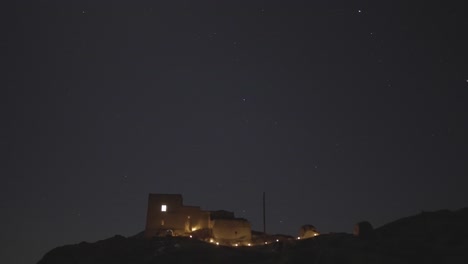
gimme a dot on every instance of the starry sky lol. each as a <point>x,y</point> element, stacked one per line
<point>340,111</point>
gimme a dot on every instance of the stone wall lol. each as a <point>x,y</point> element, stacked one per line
<point>230,231</point>
<point>177,218</point>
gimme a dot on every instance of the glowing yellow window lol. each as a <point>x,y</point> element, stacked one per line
<point>163,208</point>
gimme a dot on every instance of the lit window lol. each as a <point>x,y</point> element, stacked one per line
<point>163,208</point>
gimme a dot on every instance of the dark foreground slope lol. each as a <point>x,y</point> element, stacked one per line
<point>159,250</point>
<point>438,237</point>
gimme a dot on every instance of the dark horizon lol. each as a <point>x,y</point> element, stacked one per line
<point>341,111</point>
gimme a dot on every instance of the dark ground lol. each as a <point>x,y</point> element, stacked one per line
<point>429,237</point>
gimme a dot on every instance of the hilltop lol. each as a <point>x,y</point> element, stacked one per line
<point>429,237</point>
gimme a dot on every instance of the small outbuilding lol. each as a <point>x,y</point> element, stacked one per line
<point>308,231</point>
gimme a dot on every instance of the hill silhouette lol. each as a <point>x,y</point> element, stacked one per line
<point>429,237</point>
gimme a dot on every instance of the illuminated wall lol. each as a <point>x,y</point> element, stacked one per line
<point>232,230</point>
<point>167,212</point>
<point>308,231</point>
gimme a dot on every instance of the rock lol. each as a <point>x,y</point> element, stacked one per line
<point>364,230</point>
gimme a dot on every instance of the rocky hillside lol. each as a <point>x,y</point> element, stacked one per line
<point>436,237</point>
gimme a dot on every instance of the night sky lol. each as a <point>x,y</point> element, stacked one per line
<point>340,111</point>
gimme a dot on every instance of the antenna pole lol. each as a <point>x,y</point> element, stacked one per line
<point>264,221</point>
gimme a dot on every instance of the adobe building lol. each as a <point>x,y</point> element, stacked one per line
<point>167,215</point>
<point>229,231</point>
<point>166,212</point>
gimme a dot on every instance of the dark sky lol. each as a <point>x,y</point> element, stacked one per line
<point>340,111</point>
